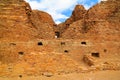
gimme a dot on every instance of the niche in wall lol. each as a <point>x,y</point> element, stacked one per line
<point>95,54</point>
<point>83,43</point>
<point>40,43</point>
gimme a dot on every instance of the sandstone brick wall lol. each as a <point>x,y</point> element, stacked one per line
<point>56,56</point>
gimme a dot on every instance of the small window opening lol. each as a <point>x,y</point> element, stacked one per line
<point>40,43</point>
<point>67,24</point>
<point>21,53</point>
<point>105,50</point>
<point>95,54</point>
<point>20,76</point>
<point>84,43</point>
<point>66,51</point>
<point>57,34</point>
<point>62,43</point>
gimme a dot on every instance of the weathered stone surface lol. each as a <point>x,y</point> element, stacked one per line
<point>100,21</point>
<point>105,10</point>
<point>43,17</point>
<point>15,21</point>
<point>19,23</point>
<point>89,60</point>
<point>78,14</point>
<point>82,34</point>
<point>43,22</point>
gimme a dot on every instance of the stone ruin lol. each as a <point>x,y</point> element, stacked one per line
<point>32,44</point>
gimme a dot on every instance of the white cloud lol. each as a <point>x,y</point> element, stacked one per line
<point>58,22</point>
<point>88,6</point>
<point>56,7</point>
<point>53,7</point>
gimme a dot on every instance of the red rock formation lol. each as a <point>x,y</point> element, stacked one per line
<point>19,23</point>
<point>43,17</point>
<point>99,22</point>
<point>104,10</point>
<point>43,22</point>
<point>14,21</point>
<point>78,14</point>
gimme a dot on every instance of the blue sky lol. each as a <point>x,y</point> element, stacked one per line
<point>60,10</point>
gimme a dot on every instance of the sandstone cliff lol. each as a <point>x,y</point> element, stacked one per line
<point>15,21</point>
<point>78,14</point>
<point>43,22</point>
<point>43,17</point>
<point>19,23</point>
<point>99,22</point>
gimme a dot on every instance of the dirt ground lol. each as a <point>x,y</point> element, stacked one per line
<point>99,75</point>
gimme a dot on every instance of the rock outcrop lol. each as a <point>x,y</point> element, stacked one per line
<point>15,21</point>
<point>19,23</point>
<point>43,17</point>
<point>78,14</point>
<point>105,10</point>
<point>44,23</point>
<point>99,22</point>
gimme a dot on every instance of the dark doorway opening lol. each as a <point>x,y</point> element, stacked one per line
<point>83,43</point>
<point>105,50</point>
<point>95,54</point>
<point>57,34</point>
<point>40,43</point>
<point>21,53</point>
